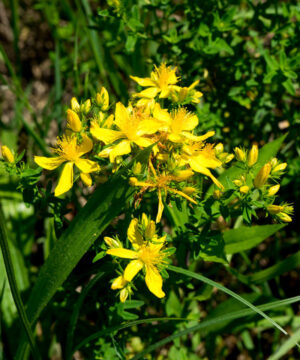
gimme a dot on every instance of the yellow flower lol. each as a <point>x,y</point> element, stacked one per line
<point>178,124</point>
<point>201,158</point>
<point>262,176</point>
<point>69,152</point>
<point>102,99</point>
<point>73,121</point>
<point>161,183</point>
<point>253,155</point>
<point>146,254</point>
<point>160,82</point>
<point>133,127</point>
<point>186,94</point>
<point>7,154</point>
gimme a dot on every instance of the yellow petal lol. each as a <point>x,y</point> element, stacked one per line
<point>164,93</point>
<point>160,207</point>
<point>196,167</point>
<point>118,283</point>
<point>87,166</point>
<point>143,142</point>
<point>154,281</point>
<point>149,93</point>
<point>161,115</point>
<point>149,126</point>
<point>122,253</point>
<point>106,135</point>
<point>65,181</point>
<point>198,138</point>
<point>121,116</point>
<point>48,163</point>
<point>191,121</point>
<point>120,149</point>
<point>205,161</point>
<point>132,269</point>
<point>143,81</point>
<point>86,145</point>
<point>134,234</point>
<point>86,179</point>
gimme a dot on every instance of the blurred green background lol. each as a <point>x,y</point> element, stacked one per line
<point>246,55</point>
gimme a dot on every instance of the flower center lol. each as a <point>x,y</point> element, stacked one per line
<point>67,148</point>
<point>150,255</point>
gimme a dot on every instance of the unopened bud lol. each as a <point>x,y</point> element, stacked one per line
<point>284,217</point>
<point>275,209</point>
<point>86,179</point>
<point>217,194</point>
<point>189,190</point>
<point>253,155</point>
<point>244,189</point>
<point>133,181</point>
<point>240,154</point>
<point>118,283</point>
<point>124,295</point>
<point>279,167</point>
<point>274,162</point>
<point>182,175</point>
<point>86,106</point>
<point>219,148</point>
<point>228,158</point>
<point>102,99</point>
<point>238,182</point>
<point>75,105</point>
<point>7,154</point>
<point>137,168</point>
<point>112,243</point>
<point>273,190</point>
<point>262,176</point>
<point>73,121</point>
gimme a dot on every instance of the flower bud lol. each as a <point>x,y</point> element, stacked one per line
<point>86,106</point>
<point>217,194</point>
<point>137,168</point>
<point>219,148</point>
<point>274,162</point>
<point>112,243</point>
<point>189,190</point>
<point>73,121</point>
<point>182,175</point>
<point>124,295</point>
<point>274,209</point>
<point>279,167</point>
<point>284,217</point>
<point>262,176</point>
<point>133,181</point>
<point>253,155</point>
<point>75,105</point>
<point>273,190</point>
<point>86,179</point>
<point>102,99</point>
<point>228,158</point>
<point>240,154</point>
<point>244,189</point>
<point>238,182</point>
<point>7,154</point>
<point>118,283</point>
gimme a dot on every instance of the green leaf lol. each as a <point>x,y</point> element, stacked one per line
<point>288,84</point>
<point>245,238</point>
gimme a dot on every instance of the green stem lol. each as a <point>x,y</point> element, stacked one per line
<point>13,286</point>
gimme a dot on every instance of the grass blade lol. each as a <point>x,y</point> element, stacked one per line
<point>14,288</point>
<point>217,320</point>
<point>227,291</point>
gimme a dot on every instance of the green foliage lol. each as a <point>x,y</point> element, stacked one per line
<point>246,56</point>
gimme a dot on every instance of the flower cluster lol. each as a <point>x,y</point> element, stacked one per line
<point>147,254</point>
